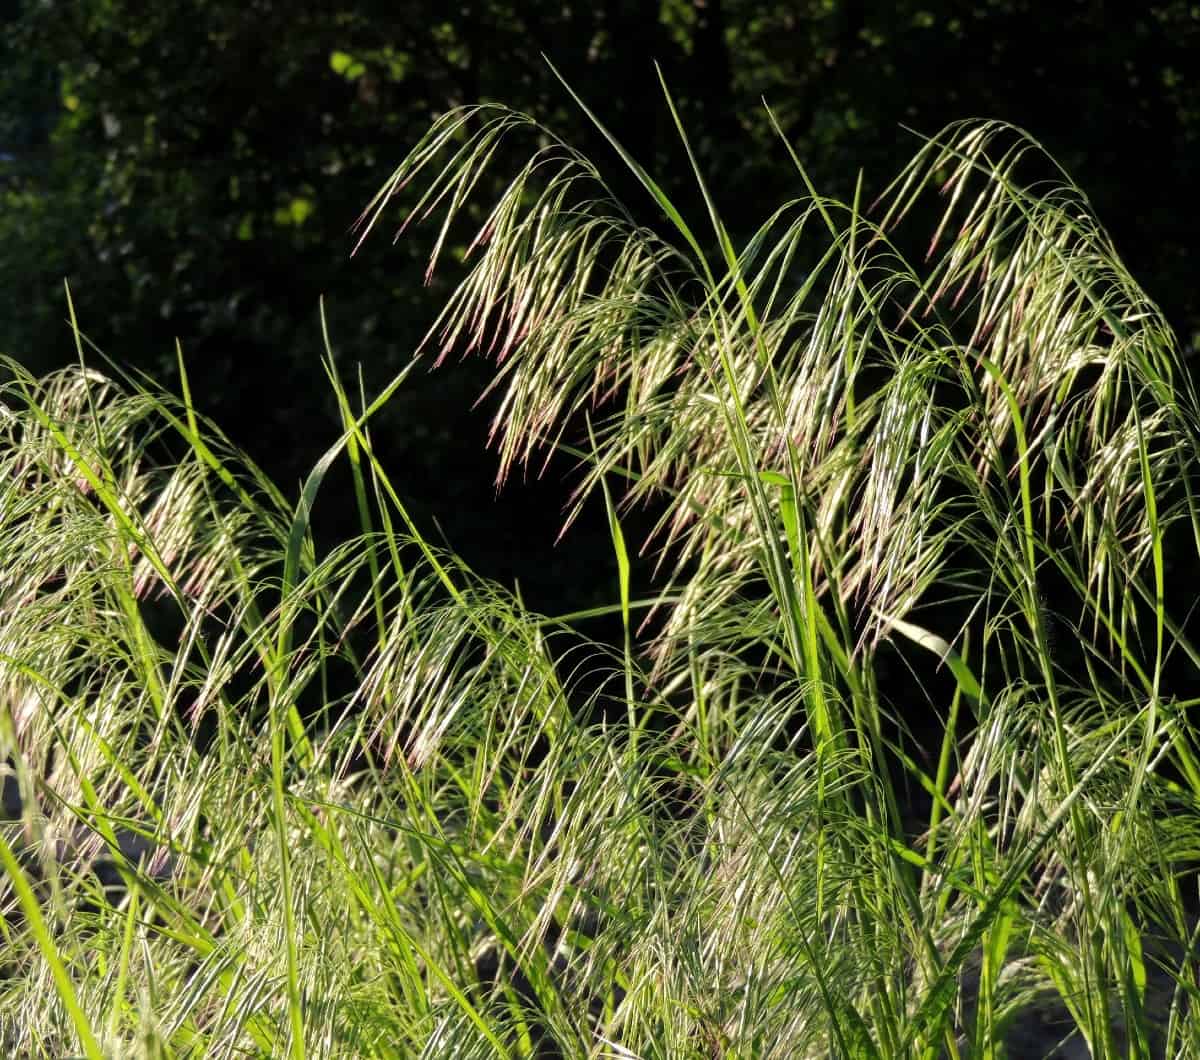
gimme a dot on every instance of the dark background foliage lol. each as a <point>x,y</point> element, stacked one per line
<point>193,169</point>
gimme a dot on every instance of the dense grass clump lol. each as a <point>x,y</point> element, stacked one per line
<point>356,803</point>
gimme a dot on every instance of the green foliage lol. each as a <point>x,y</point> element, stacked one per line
<point>365,803</point>
<point>193,171</point>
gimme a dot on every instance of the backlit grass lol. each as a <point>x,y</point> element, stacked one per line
<point>376,812</point>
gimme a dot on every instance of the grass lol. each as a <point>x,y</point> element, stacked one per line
<point>364,804</point>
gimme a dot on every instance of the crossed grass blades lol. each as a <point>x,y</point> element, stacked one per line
<point>358,802</point>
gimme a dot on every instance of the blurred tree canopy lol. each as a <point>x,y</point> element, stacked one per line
<point>193,169</point>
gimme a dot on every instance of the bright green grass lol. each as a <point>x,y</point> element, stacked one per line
<point>726,866</point>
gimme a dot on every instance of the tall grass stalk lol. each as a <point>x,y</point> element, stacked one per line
<point>363,803</point>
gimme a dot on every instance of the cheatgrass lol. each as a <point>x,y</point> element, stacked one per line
<point>363,803</point>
